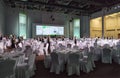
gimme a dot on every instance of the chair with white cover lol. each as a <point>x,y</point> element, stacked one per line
<point>75,47</point>
<point>106,46</point>
<point>86,50</point>
<point>73,66</point>
<point>1,50</point>
<point>56,63</point>
<point>106,55</point>
<point>47,57</point>
<point>116,56</point>
<point>97,53</point>
<point>1,47</point>
<point>47,61</point>
<point>20,68</point>
<point>31,66</point>
<point>7,68</point>
<point>28,51</point>
<point>92,51</point>
<point>86,63</point>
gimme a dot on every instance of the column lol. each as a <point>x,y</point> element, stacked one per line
<point>103,11</point>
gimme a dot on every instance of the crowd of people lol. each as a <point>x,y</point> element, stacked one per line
<point>39,43</point>
<point>11,42</point>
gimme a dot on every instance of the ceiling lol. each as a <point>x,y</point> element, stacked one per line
<point>76,7</point>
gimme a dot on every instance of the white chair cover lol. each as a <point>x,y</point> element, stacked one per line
<point>73,64</point>
<point>86,64</point>
<point>116,55</point>
<point>7,68</point>
<point>106,55</point>
<point>31,66</point>
<point>56,64</point>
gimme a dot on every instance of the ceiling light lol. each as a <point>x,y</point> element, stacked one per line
<point>24,0</point>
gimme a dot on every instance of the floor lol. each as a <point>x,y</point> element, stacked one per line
<point>101,71</point>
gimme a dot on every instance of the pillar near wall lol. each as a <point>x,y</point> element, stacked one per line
<point>103,14</point>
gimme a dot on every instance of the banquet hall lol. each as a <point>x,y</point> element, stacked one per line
<point>59,38</point>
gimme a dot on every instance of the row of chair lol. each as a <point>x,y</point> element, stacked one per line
<point>75,63</point>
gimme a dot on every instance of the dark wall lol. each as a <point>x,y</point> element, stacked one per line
<point>35,16</point>
<point>11,26</point>
<point>11,19</point>
<point>85,26</point>
<point>2,16</point>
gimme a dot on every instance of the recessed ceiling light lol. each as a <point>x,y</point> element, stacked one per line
<point>24,0</point>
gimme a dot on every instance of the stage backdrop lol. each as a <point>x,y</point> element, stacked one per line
<point>44,30</point>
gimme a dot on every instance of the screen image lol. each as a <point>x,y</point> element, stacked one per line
<point>49,30</point>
